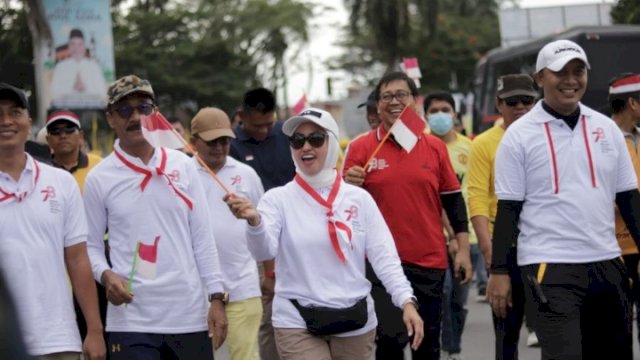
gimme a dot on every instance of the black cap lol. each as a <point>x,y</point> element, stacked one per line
<point>9,92</point>
<point>371,100</point>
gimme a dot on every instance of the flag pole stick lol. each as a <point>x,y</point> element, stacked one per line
<point>375,152</point>
<point>134,266</point>
<point>200,161</point>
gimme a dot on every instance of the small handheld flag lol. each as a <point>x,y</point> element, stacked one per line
<point>159,132</point>
<point>299,105</point>
<point>407,129</point>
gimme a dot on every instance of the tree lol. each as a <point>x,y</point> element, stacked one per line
<point>282,30</point>
<point>16,56</point>
<point>448,37</point>
<point>626,12</point>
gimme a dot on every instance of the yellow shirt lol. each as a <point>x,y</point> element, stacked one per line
<point>81,173</point>
<point>459,153</point>
<point>481,175</point>
<point>627,245</point>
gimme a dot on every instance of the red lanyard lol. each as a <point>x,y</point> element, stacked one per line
<point>332,223</point>
<point>159,170</point>
<point>19,197</point>
<point>554,162</point>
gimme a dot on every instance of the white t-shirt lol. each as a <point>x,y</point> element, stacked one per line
<point>294,231</point>
<point>568,180</point>
<point>64,78</point>
<point>173,302</point>
<point>34,232</point>
<point>239,269</point>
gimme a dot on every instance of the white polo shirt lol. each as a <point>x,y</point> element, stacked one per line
<point>36,225</point>
<point>294,231</point>
<point>187,264</point>
<point>568,180</point>
<point>239,269</point>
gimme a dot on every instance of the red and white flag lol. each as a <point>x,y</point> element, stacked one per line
<point>160,133</point>
<point>408,128</point>
<point>300,105</point>
<point>411,68</point>
<point>147,257</point>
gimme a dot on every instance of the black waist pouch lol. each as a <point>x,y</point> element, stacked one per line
<point>322,320</point>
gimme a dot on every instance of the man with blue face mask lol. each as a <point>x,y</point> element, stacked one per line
<point>439,111</point>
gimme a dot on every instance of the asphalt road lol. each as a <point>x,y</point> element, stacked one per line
<point>478,338</point>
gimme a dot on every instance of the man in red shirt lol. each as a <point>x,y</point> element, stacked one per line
<point>411,190</point>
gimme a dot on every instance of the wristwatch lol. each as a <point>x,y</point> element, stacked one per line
<point>222,296</point>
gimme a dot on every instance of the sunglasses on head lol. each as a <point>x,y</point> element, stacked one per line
<point>222,141</point>
<point>315,139</point>
<point>62,129</point>
<point>125,111</point>
<point>514,100</point>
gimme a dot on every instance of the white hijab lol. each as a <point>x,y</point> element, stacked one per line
<point>327,175</point>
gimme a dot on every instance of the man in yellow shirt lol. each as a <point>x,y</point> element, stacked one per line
<point>624,103</point>
<point>515,97</point>
<point>439,111</point>
<point>65,137</point>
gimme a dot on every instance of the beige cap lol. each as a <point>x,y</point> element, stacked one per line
<point>211,123</point>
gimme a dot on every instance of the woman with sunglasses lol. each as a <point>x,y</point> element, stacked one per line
<point>319,229</point>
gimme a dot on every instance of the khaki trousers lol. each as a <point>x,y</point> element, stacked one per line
<point>300,344</point>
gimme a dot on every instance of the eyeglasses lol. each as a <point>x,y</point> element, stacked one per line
<point>315,139</point>
<point>125,111</point>
<point>222,141</point>
<point>514,100</point>
<point>400,95</point>
<point>62,129</point>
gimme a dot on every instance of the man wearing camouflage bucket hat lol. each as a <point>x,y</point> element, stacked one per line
<point>163,256</point>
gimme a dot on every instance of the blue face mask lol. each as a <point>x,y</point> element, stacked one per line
<point>440,123</point>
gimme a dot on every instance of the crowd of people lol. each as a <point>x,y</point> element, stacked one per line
<point>263,235</point>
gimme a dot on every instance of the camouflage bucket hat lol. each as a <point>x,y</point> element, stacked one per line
<point>128,85</point>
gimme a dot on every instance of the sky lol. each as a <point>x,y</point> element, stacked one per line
<point>324,32</point>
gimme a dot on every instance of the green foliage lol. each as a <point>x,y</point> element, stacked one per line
<point>626,12</point>
<point>447,36</point>
<point>16,55</point>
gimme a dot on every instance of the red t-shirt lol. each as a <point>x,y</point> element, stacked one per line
<point>407,189</point>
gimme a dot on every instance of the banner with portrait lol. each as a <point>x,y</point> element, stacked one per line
<point>78,63</point>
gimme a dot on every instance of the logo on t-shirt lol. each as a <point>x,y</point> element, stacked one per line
<point>236,180</point>
<point>599,134</point>
<point>174,176</point>
<point>378,164</point>
<point>352,212</point>
<point>48,193</point>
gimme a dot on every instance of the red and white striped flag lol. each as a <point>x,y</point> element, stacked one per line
<point>147,256</point>
<point>158,132</point>
<point>300,105</point>
<point>408,128</point>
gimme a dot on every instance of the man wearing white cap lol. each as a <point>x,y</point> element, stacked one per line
<point>43,234</point>
<point>559,169</point>
<point>65,136</point>
<point>211,136</point>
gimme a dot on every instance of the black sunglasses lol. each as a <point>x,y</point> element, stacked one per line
<point>315,139</point>
<point>62,129</point>
<point>514,100</point>
<point>125,111</point>
<point>222,141</point>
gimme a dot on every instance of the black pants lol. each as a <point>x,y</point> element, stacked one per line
<point>507,330</point>
<point>391,332</point>
<point>145,346</point>
<point>583,310</point>
<point>631,261</point>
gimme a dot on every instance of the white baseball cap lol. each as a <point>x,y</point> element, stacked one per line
<point>555,55</point>
<point>319,117</point>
